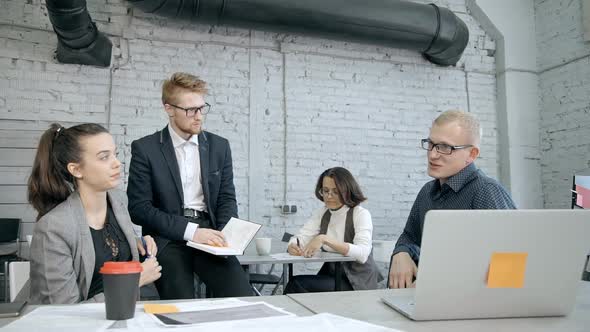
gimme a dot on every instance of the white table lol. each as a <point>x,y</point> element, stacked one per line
<point>367,306</point>
<point>251,257</point>
<point>281,301</point>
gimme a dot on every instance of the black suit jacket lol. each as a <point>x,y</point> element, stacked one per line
<point>155,188</point>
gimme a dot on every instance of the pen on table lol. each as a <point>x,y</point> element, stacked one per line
<point>147,254</point>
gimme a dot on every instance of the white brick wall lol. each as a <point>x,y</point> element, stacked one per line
<point>564,64</point>
<point>325,103</point>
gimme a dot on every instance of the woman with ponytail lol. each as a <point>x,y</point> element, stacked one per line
<point>82,219</point>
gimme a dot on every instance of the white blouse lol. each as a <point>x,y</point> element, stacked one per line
<point>361,245</point>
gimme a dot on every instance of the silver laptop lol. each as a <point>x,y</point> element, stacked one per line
<point>457,246</point>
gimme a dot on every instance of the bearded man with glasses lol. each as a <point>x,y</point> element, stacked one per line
<point>452,148</point>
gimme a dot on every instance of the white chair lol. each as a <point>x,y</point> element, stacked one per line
<point>18,278</point>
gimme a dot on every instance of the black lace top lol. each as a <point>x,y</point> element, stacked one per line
<point>110,244</point>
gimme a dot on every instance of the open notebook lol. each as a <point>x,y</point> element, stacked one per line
<point>238,234</point>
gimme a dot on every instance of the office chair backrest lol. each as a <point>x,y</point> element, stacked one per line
<point>9,227</point>
<point>382,250</point>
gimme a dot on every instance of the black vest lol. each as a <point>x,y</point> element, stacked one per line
<point>361,276</point>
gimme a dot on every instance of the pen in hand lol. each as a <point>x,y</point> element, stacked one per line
<point>299,246</point>
<point>147,253</point>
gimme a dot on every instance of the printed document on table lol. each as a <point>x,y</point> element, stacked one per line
<point>240,312</point>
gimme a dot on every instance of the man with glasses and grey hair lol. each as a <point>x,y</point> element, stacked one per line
<point>452,148</point>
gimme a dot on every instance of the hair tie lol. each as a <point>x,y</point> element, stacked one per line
<point>57,132</point>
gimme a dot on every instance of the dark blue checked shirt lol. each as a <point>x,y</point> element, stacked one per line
<point>470,189</point>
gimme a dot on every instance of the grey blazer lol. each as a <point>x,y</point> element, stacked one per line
<point>62,251</point>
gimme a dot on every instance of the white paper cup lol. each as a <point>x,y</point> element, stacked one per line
<point>263,246</point>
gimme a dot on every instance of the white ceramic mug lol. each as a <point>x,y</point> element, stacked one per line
<point>263,246</point>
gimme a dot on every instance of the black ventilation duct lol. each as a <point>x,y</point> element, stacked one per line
<point>78,39</point>
<point>436,32</point>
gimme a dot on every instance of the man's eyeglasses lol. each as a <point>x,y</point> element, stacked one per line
<point>190,112</point>
<point>325,192</point>
<point>441,147</point>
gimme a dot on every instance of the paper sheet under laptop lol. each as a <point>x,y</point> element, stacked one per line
<point>238,234</point>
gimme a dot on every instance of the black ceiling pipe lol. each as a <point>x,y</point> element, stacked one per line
<point>436,32</point>
<point>78,39</point>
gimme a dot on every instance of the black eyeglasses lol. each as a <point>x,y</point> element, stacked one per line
<point>441,147</point>
<point>190,112</point>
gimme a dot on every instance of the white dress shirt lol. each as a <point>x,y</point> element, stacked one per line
<point>189,165</point>
<point>361,245</point>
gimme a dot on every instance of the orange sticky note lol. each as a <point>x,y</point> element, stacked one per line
<point>507,270</point>
<point>151,308</point>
